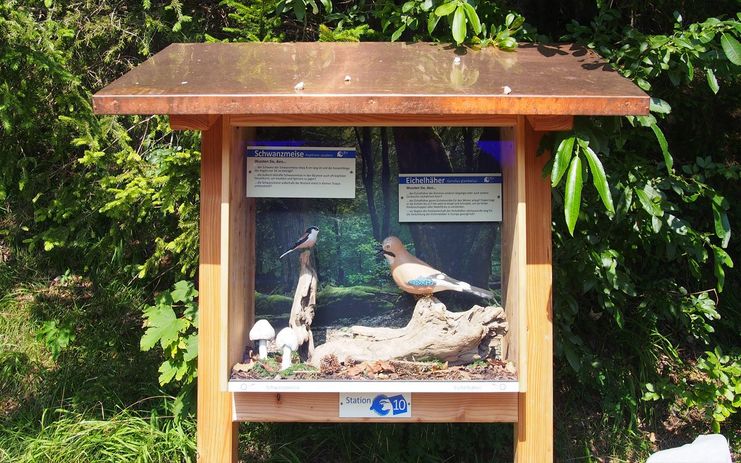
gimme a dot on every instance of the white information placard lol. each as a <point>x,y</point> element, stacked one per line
<point>450,197</point>
<point>373,405</point>
<point>300,172</point>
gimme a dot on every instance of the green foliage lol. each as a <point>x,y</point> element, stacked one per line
<point>343,35</point>
<point>714,387</point>
<point>175,332</point>
<point>55,337</point>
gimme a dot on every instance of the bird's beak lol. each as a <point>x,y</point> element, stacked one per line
<point>383,252</point>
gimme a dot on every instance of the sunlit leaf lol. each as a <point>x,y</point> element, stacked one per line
<point>712,81</point>
<point>432,21</point>
<point>473,18</point>
<point>657,105</point>
<point>446,8</point>
<point>668,160</point>
<point>731,48</point>
<point>397,33</point>
<point>459,25</point>
<point>599,179</point>
<point>572,194</point>
<point>561,160</point>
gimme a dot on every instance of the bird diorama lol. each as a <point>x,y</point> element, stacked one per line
<point>417,277</point>
<point>306,241</point>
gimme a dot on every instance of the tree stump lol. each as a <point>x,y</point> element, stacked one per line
<point>304,303</point>
<point>432,333</point>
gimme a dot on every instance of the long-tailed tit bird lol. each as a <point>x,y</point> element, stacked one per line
<point>307,241</point>
<point>418,277</point>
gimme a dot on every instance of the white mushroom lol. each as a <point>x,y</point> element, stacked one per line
<point>299,86</point>
<point>506,90</point>
<point>262,332</point>
<point>287,341</point>
<point>348,78</point>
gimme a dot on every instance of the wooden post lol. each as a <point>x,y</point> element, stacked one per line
<point>225,287</point>
<point>534,429</point>
<point>216,434</point>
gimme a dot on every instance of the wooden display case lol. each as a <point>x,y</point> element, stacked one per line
<point>229,90</point>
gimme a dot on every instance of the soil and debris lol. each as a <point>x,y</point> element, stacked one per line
<point>332,369</point>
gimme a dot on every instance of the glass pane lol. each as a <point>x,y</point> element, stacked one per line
<point>378,276</point>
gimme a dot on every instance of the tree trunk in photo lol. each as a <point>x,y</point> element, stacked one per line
<point>432,333</point>
<point>462,250</point>
<point>385,184</point>
<point>367,173</point>
<point>338,252</point>
<point>304,304</point>
<point>468,148</point>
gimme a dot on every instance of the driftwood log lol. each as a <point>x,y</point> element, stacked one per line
<point>304,303</point>
<point>432,333</point>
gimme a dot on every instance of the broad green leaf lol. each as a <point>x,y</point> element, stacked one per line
<point>646,196</point>
<point>327,5</point>
<point>446,8</point>
<point>314,6</point>
<point>183,291</point>
<point>668,160</point>
<point>509,19</point>
<point>712,81</point>
<point>508,44</point>
<point>657,105</point>
<point>432,21</point>
<point>722,225</point>
<point>191,348</point>
<point>473,18</point>
<point>731,48</point>
<point>163,326</point>
<point>397,33</point>
<point>721,258</point>
<point>599,179</point>
<point>561,160</point>
<point>299,9</point>
<point>426,5</point>
<point>572,357</point>
<point>167,372</point>
<point>407,7</point>
<point>459,25</point>
<point>572,194</point>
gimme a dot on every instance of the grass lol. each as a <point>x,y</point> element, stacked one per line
<point>72,407</point>
<point>69,437</point>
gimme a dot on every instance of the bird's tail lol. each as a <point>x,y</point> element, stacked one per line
<point>286,253</point>
<point>464,287</point>
<point>480,292</point>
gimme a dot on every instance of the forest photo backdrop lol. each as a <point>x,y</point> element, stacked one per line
<point>99,236</point>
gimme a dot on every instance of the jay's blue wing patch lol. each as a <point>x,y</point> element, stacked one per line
<point>421,282</point>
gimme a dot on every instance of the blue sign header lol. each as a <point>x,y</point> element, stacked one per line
<point>300,152</point>
<point>445,179</point>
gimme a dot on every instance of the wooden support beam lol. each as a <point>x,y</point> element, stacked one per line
<point>237,249</point>
<point>534,430</point>
<point>373,120</point>
<point>192,121</point>
<point>426,407</point>
<point>216,434</point>
<point>551,123</point>
<point>514,229</point>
